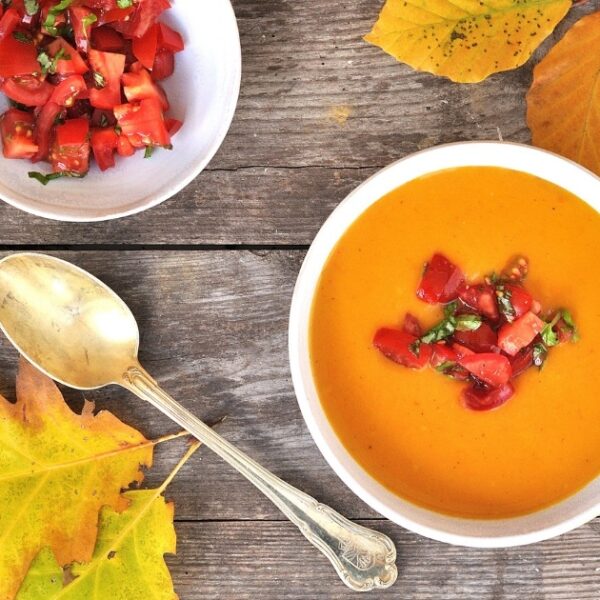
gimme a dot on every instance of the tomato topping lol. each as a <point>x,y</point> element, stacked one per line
<point>396,345</point>
<point>514,336</point>
<point>71,149</point>
<point>104,144</point>
<point>461,351</point>
<point>520,298</point>
<point>124,146</point>
<point>164,65</point>
<point>8,23</point>
<point>482,298</point>
<point>173,126</point>
<point>441,281</point>
<point>16,128</point>
<point>139,86</point>
<point>480,397</point>
<point>145,47</point>
<point>43,129</point>
<point>143,17</point>
<point>493,369</point>
<point>115,14</point>
<point>169,39</point>
<point>143,123</point>
<point>522,361</point>
<point>17,58</point>
<point>82,19</point>
<point>106,39</point>
<point>27,89</point>
<point>442,353</point>
<point>483,339</point>
<point>68,90</point>
<point>411,323</point>
<point>108,68</point>
<point>71,61</point>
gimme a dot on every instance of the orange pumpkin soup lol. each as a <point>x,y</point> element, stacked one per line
<point>408,428</point>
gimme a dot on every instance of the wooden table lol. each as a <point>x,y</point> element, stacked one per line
<point>209,274</point>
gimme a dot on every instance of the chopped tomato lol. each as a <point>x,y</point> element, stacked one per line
<point>514,336</point>
<point>82,19</point>
<point>17,58</point>
<point>493,369</point>
<point>143,123</point>
<point>169,39</point>
<point>71,62</point>
<point>51,26</point>
<point>143,17</point>
<point>16,127</point>
<point>521,361</point>
<point>395,345</point>
<point>520,298</point>
<point>173,126</point>
<point>164,65</point>
<point>482,298</point>
<point>144,48</point>
<point>483,339</point>
<point>116,15</point>
<point>71,150</point>
<point>139,86</point>
<point>106,39</point>
<point>43,129</point>
<point>27,89</point>
<point>462,351</point>
<point>480,397</point>
<point>69,90</point>
<point>124,147</point>
<point>441,281</point>
<point>411,323</point>
<point>442,353</point>
<point>109,66</point>
<point>8,23</point>
<point>104,144</point>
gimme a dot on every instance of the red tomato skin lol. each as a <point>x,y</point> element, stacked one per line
<point>493,369</point>
<point>81,32</point>
<point>144,16</point>
<point>482,298</point>
<point>69,90</point>
<point>169,39</point>
<point>143,123</point>
<point>481,398</point>
<point>440,282</point>
<point>111,66</point>
<point>74,64</point>
<point>483,339</point>
<point>106,39</point>
<point>520,299</point>
<point>139,86</point>
<point>164,65</point>
<point>27,90</point>
<point>104,143</point>
<point>124,147</point>
<point>173,125</point>
<point>520,333</point>
<point>17,58</point>
<point>145,47</point>
<point>394,344</point>
<point>43,129</point>
<point>410,324</point>
<point>8,23</point>
<point>72,132</point>
<point>18,140</point>
<point>462,351</point>
<point>442,353</point>
<point>521,361</point>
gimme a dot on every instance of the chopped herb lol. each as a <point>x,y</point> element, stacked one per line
<point>548,335</point>
<point>50,22</point>
<point>89,20</point>
<point>103,120</point>
<point>45,178</point>
<point>32,7</point>
<point>540,353</point>
<point>446,367</point>
<point>506,308</point>
<point>450,309</point>
<point>49,64</point>
<point>415,348</point>
<point>439,332</point>
<point>118,129</point>
<point>22,37</point>
<point>148,154</point>
<point>468,322</point>
<point>567,317</point>
<point>99,80</point>
<point>124,3</point>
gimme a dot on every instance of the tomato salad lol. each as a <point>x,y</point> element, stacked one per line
<point>492,331</point>
<point>82,77</point>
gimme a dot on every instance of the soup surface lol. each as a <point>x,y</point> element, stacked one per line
<point>408,428</point>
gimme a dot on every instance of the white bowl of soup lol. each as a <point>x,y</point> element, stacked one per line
<point>400,438</point>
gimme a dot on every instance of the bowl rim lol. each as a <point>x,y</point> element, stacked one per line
<point>519,157</point>
<point>236,79</point>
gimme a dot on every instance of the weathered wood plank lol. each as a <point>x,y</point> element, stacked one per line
<point>313,95</point>
<point>271,560</point>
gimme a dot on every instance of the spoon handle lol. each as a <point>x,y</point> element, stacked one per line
<point>364,559</point>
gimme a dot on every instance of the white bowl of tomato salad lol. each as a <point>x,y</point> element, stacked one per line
<point>475,370</point>
<point>110,107</point>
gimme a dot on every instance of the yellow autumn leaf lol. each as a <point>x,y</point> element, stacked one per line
<point>465,40</point>
<point>563,104</point>
<point>128,561</point>
<point>57,470</point>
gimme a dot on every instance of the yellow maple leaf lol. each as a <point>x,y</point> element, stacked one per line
<point>563,104</point>
<point>57,469</point>
<point>465,40</point>
<point>128,561</point>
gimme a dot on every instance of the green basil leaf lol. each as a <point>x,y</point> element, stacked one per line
<point>415,347</point>
<point>22,37</point>
<point>567,317</point>
<point>45,178</point>
<point>31,7</point>
<point>439,332</point>
<point>506,308</point>
<point>548,335</point>
<point>540,353</point>
<point>99,80</point>
<point>468,322</point>
<point>89,20</point>
<point>451,308</point>
<point>124,3</point>
<point>148,154</point>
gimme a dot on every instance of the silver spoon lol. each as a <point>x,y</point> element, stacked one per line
<point>79,332</point>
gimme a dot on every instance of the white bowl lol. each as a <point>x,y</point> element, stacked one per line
<point>203,92</point>
<point>562,517</point>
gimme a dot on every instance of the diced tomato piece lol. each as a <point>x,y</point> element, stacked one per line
<point>72,63</point>
<point>143,123</point>
<point>482,298</point>
<point>106,39</point>
<point>493,369</point>
<point>103,118</point>
<point>16,127</point>
<point>520,333</point>
<point>483,339</point>
<point>80,16</point>
<point>164,65</point>
<point>441,281</point>
<point>71,150</point>
<point>564,332</point>
<point>173,125</point>
<point>43,129</point>
<point>8,23</point>
<point>124,147</point>
<point>411,323</point>
<point>104,144</point>
<point>117,15</point>
<point>480,397</point>
<point>58,20</point>
<point>395,345</point>
<point>521,361</point>
<point>462,351</point>
<point>69,90</point>
<point>144,16</point>
<point>442,353</point>
<point>144,48</point>
<point>27,89</point>
<point>17,58</point>
<point>520,299</point>
<point>101,5</point>
<point>110,66</point>
<point>169,39</point>
<point>139,86</point>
